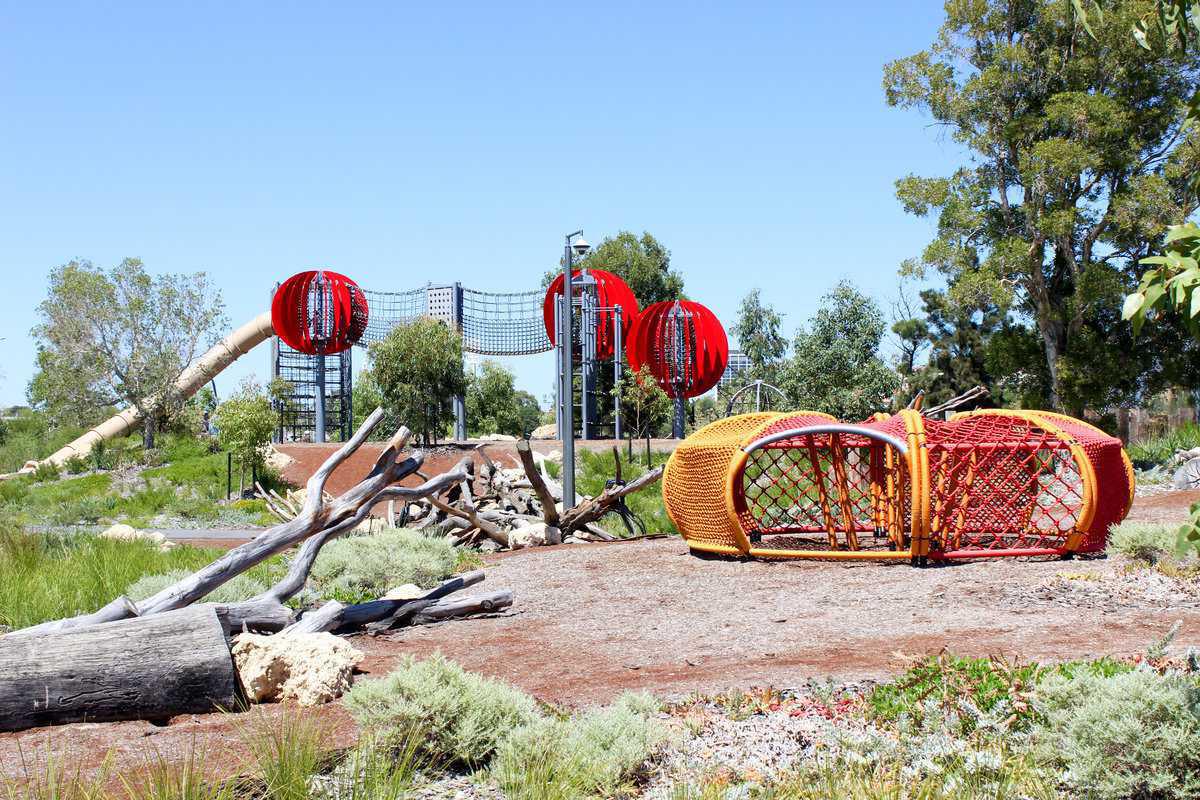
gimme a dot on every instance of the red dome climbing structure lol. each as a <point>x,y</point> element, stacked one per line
<point>610,291</point>
<point>683,344</point>
<point>319,312</point>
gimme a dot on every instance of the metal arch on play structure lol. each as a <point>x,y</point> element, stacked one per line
<point>767,397</point>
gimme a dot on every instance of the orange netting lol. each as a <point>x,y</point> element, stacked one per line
<point>984,483</point>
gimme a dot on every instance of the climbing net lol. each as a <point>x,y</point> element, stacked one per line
<point>491,323</point>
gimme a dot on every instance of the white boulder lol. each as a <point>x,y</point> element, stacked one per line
<point>310,668</point>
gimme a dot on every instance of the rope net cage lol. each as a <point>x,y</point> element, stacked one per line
<point>610,293</point>
<point>319,312</point>
<point>491,323</point>
<point>898,487</point>
<point>683,344</point>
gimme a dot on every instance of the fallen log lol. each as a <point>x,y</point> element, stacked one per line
<point>463,607</point>
<point>142,668</point>
<point>334,616</point>
<point>593,509</point>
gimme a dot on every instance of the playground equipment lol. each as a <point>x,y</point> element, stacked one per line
<point>684,346</point>
<point>319,312</point>
<point>901,487</point>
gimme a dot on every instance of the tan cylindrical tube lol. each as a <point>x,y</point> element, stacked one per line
<point>219,356</point>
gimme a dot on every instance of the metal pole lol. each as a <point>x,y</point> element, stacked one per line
<point>568,378</point>
<point>559,403</point>
<point>587,331</point>
<point>460,402</point>
<point>617,373</point>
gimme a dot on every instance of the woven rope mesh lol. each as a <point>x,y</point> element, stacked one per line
<point>833,485</point>
<point>1114,475</point>
<point>503,324</point>
<point>694,483</point>
<point>1001,481</point>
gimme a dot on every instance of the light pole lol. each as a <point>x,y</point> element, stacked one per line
<point>566,386</point>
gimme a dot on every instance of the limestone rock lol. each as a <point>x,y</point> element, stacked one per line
<point>547,431</point>
<point>127,533</point>
<point>533,535</point>
<point>310,668</point>
<point>276,460</point>
<point>1188,475</point>
<point>497,437</point>
<point>409,591</point>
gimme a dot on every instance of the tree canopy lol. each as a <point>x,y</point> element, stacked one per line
<point>120,337</point>
<point>643,263</point>
<point>1079,159</point>
<point>495,405</point>
<point>759,335</point>
<point>835,365</point>
<point>417,370</point>
<point>245,422</point>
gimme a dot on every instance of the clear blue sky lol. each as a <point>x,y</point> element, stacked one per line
<point>404,143</point>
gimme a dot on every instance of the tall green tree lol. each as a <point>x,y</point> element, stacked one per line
<point>759,335</point>
<point>835,365</point>
<point>417,369</point>
<point>642,262</point>
<point>495,405</point>
<point>959,336</point>
<point>120,337</point>
<point>245,422</point>
<point>1079,158</point>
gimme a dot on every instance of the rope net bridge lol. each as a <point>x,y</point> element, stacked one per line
<point>491,323</point>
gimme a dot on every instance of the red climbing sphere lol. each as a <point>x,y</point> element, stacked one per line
<point>683,344</point>
<point>610,291</point>
<point>319,312</point>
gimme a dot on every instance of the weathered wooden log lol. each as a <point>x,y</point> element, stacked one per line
<point>549,511</point>
<point>143,668</point>
<point>590,511</point>
<point>462,607</point>
<point>255,616</point>
<point>334,616</point>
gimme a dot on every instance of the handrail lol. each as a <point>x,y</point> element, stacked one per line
<point>810,430</point>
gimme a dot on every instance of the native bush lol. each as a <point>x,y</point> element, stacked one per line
<point>240,587</point>
<point>593,754</point>
<point>1143,541</point>
<point>462,716</point>
<point>1134,734</point>
<point>359,568</point>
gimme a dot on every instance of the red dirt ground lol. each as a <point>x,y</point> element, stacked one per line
<point>591,621</point>
<point>437,459</point>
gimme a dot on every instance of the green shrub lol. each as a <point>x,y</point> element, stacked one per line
<point>1144,541</point>
<point>463,716</point>
<point>594,754</point>
<point>359,568</point>
<point>1134,734</point>
<point>241,587</point>
<point>1160,449</point>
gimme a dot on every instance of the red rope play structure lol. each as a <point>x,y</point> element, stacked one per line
<point>319,312</point>
<point>985,483</point>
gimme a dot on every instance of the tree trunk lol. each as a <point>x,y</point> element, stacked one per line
<point>148,432</point>
<point>142,668</point>
<point>1054,344</point>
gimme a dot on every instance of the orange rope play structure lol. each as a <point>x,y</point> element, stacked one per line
<point>985,483</point>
